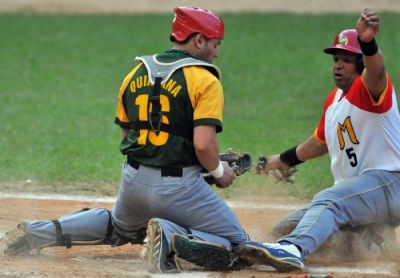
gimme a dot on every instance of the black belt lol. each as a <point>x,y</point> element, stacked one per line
<point>165,171</point>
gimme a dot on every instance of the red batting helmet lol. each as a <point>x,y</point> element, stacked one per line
<point>189,20</point>
<point>345,40</point>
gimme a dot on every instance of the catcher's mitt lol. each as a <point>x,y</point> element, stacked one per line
<point>279,174</point>
<point>240,162</point>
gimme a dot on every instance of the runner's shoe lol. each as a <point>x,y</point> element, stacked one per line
<point>282,257</point>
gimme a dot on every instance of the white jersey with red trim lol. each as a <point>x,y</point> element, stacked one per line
<point>361,134</point>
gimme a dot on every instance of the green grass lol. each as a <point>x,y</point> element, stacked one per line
<point>60,75</point>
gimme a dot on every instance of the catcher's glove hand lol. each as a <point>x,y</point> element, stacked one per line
<point>240,162</point>
<point>279,174</point>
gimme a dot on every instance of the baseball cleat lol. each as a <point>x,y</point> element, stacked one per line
<point>15,242</point>
<point>282,257</point>
<point>157,253</point>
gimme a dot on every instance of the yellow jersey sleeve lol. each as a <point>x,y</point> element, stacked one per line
<point>206,96</point>
<point>120,116</point>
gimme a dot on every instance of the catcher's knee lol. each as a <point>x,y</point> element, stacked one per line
<point>210,255</point>
<point>137,237</point>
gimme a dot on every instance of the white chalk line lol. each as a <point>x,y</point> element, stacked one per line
<point>60,197</point>
<point>80,198</point>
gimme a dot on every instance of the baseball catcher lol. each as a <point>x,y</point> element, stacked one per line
<point>65,231</point>
<point>170,110</point>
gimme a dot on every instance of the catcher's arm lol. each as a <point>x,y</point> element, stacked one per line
<point>239,162</point>
<point>206,148</point>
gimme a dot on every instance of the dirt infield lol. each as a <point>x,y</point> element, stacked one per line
<point>104,261</point>
<point>132,6</point>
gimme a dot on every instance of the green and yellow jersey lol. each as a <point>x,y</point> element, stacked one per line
<point>190,97</point>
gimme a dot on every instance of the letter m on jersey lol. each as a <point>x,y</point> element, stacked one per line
<point>346,127</point>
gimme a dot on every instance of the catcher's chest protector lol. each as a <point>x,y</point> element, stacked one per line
<point>159,73</point>
<point>157,69</point>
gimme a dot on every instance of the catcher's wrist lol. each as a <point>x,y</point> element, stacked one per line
<point>368,48</point>
<point>218,172</point>
<point>290,158</point>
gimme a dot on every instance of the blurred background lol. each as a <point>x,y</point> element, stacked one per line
<point>62,62</point>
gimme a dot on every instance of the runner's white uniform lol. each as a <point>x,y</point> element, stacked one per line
<point>363,139</point>
<point>349,125</point>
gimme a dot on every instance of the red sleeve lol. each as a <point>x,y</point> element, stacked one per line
<point>320,131</point>
<point>360,96</point>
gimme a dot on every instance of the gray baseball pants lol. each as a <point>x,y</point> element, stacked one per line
<point>371,198</point>
<point>188,202</point>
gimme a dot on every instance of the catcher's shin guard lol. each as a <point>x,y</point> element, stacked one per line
<point>212,256</point>
<point>82,227</point>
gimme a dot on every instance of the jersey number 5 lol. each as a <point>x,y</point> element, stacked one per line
<point>352,157</point>
<point>143,102</point>
<point>348,127</point>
